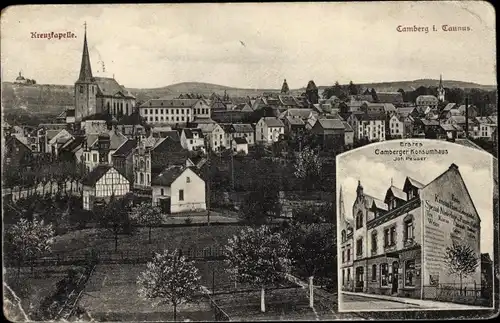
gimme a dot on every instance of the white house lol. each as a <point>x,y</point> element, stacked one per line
<point>215,135</point>
<point>396,126</point>
<point>368,125</point>
<point>268,130</point>
<point>173,111</point>
<point>240,145</point>
<point>487,126</point>
<point>101,183</point>
<point>244,130</point>
<point>192,139</point>
<point>179,189</point>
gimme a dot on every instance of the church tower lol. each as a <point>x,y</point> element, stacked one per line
<point>85,86</point>
<point>284,88</point>
<point>440,89</point>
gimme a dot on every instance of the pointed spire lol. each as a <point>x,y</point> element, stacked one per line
<point>85,68</point>
<point>440,81</point>
<point>285,89</point>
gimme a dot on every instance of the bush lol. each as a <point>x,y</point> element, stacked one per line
<point>188,221</point>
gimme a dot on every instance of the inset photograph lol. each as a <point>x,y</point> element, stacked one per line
<point>415,227</point>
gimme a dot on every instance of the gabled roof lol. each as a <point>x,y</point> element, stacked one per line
<point>95,175</point>
<point>227,127</point>
<point>242,127</point>
<point>379,204</point>
<point>109,87</point>
<point>126,148</point>
<point>396,192</point>
<point>331,124</point>
<point>116,139</point>
<point>412,182</point>
<point>295,121</point>
<point>347,126</point>
<point>297,112</point>
<point>207,127</point>
<point>189,132</point>
<point>272,122</point>
<point>448,127</point>
<point>427,97</point>
<point>449,106</point>
<point>240,140</point>
<point>74,144</point>
<point>168,175</point>
<point>426,122</point>
<point>288,100</point>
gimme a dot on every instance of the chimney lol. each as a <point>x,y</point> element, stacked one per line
<point>466,117</point>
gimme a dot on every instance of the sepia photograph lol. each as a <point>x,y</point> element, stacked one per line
<point>416,227</point>
<point>249,161</point>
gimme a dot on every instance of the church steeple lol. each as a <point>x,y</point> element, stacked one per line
<point>440,89</point>
<point>85,68</point>
<point>284,88</point>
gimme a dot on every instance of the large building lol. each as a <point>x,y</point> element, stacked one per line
<point>174,112</point>
<point>96,95</point>
<point>400,241</point>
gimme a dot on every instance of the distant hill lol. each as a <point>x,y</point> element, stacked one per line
<point>50,99</point>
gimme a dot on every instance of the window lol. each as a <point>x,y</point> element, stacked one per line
<point>374,241</point>
<point>384,275</point>
<point>94,158</point>
<point>374,272</point>
<point>409,273</point>
<point>359,220</point>
<point>392,236</point>
<point>343,235</point>
<point>81,88</point>
<point>386,237</point>
<point>343,256</point>
<point>409,229</point>
<point>348,274</point>
<point>141,181</point>
<point>359,247</point>
<point>156,110</point>
<point>348,254</point>
<point>343,277</point>
<point>181,195</point>
<point>162,192</point>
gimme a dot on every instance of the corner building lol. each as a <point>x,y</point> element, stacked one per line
<point>400,242</point>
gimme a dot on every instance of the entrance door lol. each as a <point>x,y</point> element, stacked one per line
<point>359,279</point>
<point>395,277</point>
<point>165,205</point>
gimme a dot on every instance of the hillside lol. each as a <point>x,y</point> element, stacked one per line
<point>50,99</point>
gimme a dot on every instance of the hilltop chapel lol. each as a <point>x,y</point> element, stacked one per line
<point>96,95</point>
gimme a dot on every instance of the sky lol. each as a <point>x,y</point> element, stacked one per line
<point>253,45</point>
<point>474,165</point>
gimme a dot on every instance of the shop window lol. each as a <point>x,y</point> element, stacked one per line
<point>384,275</point>
<point>374,272</point>
<point>410,273</point>
<point>348,274</point>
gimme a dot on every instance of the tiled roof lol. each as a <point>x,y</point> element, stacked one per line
<point>427,97</point>
<point>240,140</point>
<point>74,144</point>
<point>390,97</point>
<point>347,126</point>
<point>227,127</point>
<point>51,134</point>
<point>190,131</point>
<point>207,127</point>
<point>449,106</point>
<point>295,121</point>
<point>448,127</point>
<point>272,122</point>
<point>288,100</point>
<point>331,124</point>
<point>380,204</point>
<point>199,120</point>
<point>426,122</point>
<point>116,139</point>
<point>168,176</point>
<point>96,174</point>
<point>126,148</point>
<point>110,87</point>
<point>369,116</point>
<point>414,182</point>
<point>242,127</point>
<point>397,192</point>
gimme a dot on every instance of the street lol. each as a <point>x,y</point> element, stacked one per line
<point>362,303</point>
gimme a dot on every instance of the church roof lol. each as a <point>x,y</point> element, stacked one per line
<point>109,87</point>
<point>85,68</point>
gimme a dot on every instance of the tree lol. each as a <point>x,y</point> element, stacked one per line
<point>461,261</point>
<point>26,240</point>
<point>169,278</point>
<point>114,216</point>
<point>307,166</point>
<point>258,257</point>
<point>374,95</point>
<point>147,215</point>
<point>262,201</point>
<point>353,89</point>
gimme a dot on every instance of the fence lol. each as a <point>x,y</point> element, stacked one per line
<point>219,314</point>
<point>126,256</point>
<point>474,294</point>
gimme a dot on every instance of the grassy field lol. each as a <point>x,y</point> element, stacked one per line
<point>82,241</point>
<point>111,295</point>
<point>33,288</point>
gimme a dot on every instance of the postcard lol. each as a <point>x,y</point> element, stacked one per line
<point>250,161</point>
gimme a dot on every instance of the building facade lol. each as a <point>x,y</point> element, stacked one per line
<point>400,242</point>
<point>174,112</point>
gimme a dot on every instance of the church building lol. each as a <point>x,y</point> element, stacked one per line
<point>96,95</point>
<point>401,240</point>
